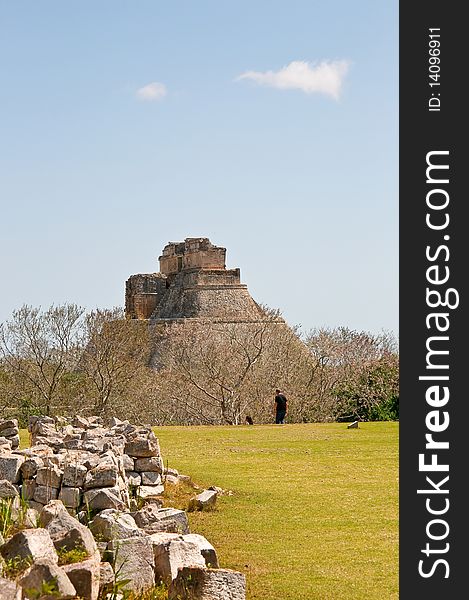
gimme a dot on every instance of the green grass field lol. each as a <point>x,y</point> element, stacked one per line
<point>314,510</point>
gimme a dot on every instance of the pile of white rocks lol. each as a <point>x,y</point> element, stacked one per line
<point>88,465</point>
<point>97,489</point>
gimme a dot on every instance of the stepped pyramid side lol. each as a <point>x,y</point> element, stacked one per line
<point>193,283</point>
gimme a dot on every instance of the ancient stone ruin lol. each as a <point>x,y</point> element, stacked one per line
<point>88,519</point>
<point>193,282</point>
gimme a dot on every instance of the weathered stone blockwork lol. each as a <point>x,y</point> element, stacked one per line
<point>83,463</point>
<point>193,283</point>
<point>193,253</point>
<point>143,293</point>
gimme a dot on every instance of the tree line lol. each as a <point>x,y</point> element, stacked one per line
<point>66,360</point>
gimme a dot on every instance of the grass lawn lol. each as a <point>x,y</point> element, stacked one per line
<point>314,510</point>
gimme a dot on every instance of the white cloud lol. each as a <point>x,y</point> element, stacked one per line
<point>325,77</point>
<point>153,91</point>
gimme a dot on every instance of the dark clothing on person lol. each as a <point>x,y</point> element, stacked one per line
<point>280,409</point>
<point>281,402</point>
<point>280,417</point>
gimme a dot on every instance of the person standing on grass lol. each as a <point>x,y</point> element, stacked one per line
<point>280,407</point>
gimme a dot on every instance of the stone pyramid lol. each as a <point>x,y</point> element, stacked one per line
<point>193,283</point>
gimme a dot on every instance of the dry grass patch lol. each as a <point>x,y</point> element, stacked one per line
<point>178,495</point>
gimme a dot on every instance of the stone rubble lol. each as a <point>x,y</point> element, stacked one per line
<point>9,434</point>
<point>29,545</point>
<point>172,553</point>
<point>204,501</point>
<point>94,491</point>
<point>208,584</point>
<point>85,576</point>
<point>47,571</point>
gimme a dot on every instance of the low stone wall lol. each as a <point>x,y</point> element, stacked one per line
<point>86,486</point>
<point>88,465</point>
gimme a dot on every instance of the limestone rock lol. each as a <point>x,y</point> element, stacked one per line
<point>100,499</point>
<point>36,422</point>
<point>142,445</point>
<point>150,478</point>
<point>40,450</point>
<point>9,438</point>
<point>28,487</point>
<point>5,444</point>
<point>72,442</point>
<point>74,475</point>
<point>15,442</point>
<point>111,524</point>
<point>174,479</point>
<point>106,575</point>
<point>35,505</point>
<point>80,422</point>
<point>204,501</point>
<point>148,492</point>
<point>9,432</point>
<point>50,476</point>
<point>128,462</point>
<point>30,518</point>
<point>7,489</point>
<point>208,584</point>
<point>66,532</point>
<point>32,544</point>
<point>153,519</point>
<point>152,463</point>
<point>172,554</point>
<point>44,494</point>
<point>8,424</point>
<point>10,465</point>
<point>45,571</point>
<point>85,576</point>
<point>134,560</point>
<point>30,466</point>
<point>205,547</point>
<point>187,479</point>
<point>9,590</point>
<point>134,478</point>
<point>164,537</point>
<point>51,511</point>
<point>70,496</point>
<point>91,460</point>
<point>103,475</point>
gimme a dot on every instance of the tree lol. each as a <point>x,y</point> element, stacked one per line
<point>56,360</point>
<point>115,359</point>
<point>38,349</point>
<point>374,396</point>
<point>353,369</point>
<point>194,371</point>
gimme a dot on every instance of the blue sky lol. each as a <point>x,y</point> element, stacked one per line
<point>295,173</point>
